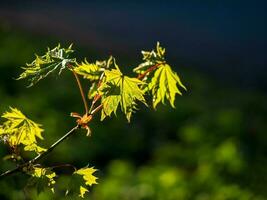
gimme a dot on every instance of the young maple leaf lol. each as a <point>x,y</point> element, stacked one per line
<point>91,71</point>
<point>88,177</point>
<point>54,59</point>
<point>151,58</point>
<point>44,174</point>
<point>120,89</point>
<point>83,190</point>
<point>164,85</point>
<point>18,129</point>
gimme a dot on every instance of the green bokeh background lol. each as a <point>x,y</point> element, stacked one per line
<point>212,146</point>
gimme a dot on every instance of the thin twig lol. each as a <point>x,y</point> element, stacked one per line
<point>97,95</point>
<point>150,69</point>
<point>81,91</point>
<point>40,156</point>
<point>97,109</point>
<point>80,87</point>
<point>72,131</point>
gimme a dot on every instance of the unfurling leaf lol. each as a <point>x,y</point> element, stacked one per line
<point>164,85</point>
<point>87,174</point>
<point>162,81</point>
<point>92,91</point>
<point>119,89</point>
<point>91,71</point>
<point>18,129</point>
<point>55,59</point>
<point>151,58</point>
<point>88,177</point>
<point>44,174</point>
<point>83,190</point>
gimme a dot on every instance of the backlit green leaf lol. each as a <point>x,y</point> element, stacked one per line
<point>91,71</point>
<point>83,190</point>
<point>151,58</point>
<point>120,89</point>
<point>56,59</point>
<point>164,85</point>
<point>44,175</point>
<point>88,177</point>
<point>87,173</point>
<point>18,129</point>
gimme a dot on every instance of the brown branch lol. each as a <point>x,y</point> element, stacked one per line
<point>97,109</point>
<point>80,87</point>
<point>97,96</point>
<point>81,91</point>
<point>150,69</point>
<point>72,131</point>
<point>40,156</point>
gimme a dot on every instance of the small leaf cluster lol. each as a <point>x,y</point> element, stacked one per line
<point>55,59</point>
<point>155,78</point>
<point>20,130</point>
<point>88,177</point>
<point>45,175</point>
<point>162,82</point>
<point>120,89</point>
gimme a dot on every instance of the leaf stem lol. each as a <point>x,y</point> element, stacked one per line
<point>97,109</point>
<point>40,156</point>
<point>72,131</point>
<point>81,91</point>
<point>150,69</point>
<point>97,96</point>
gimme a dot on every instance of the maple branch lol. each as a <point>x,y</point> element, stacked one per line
<point>97,109</point>
<point>97,96</point>
<point>72,131</point>
<point>49,150</point>
<point>80,87</point>
<point>40,156</point>
<point>150,69</point>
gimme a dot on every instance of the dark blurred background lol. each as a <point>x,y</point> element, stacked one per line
<point>212,146</point>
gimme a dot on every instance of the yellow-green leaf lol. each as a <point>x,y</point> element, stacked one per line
<point>119,89</point>
<point>91,71</point>
<point>162,81</point>
<point>83,190</point>
<point>54,59</point>
<point>18,129</point>
<point>164,85</point>
<point>151,58</point>
<point>34,147</point>
<point>45,174</point>
<point>87,174</point>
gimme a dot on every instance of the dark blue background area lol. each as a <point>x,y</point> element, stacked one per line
<point>225,39</point>
<point>212,146</point>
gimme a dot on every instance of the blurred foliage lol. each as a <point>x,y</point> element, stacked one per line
<point>213,146</point>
